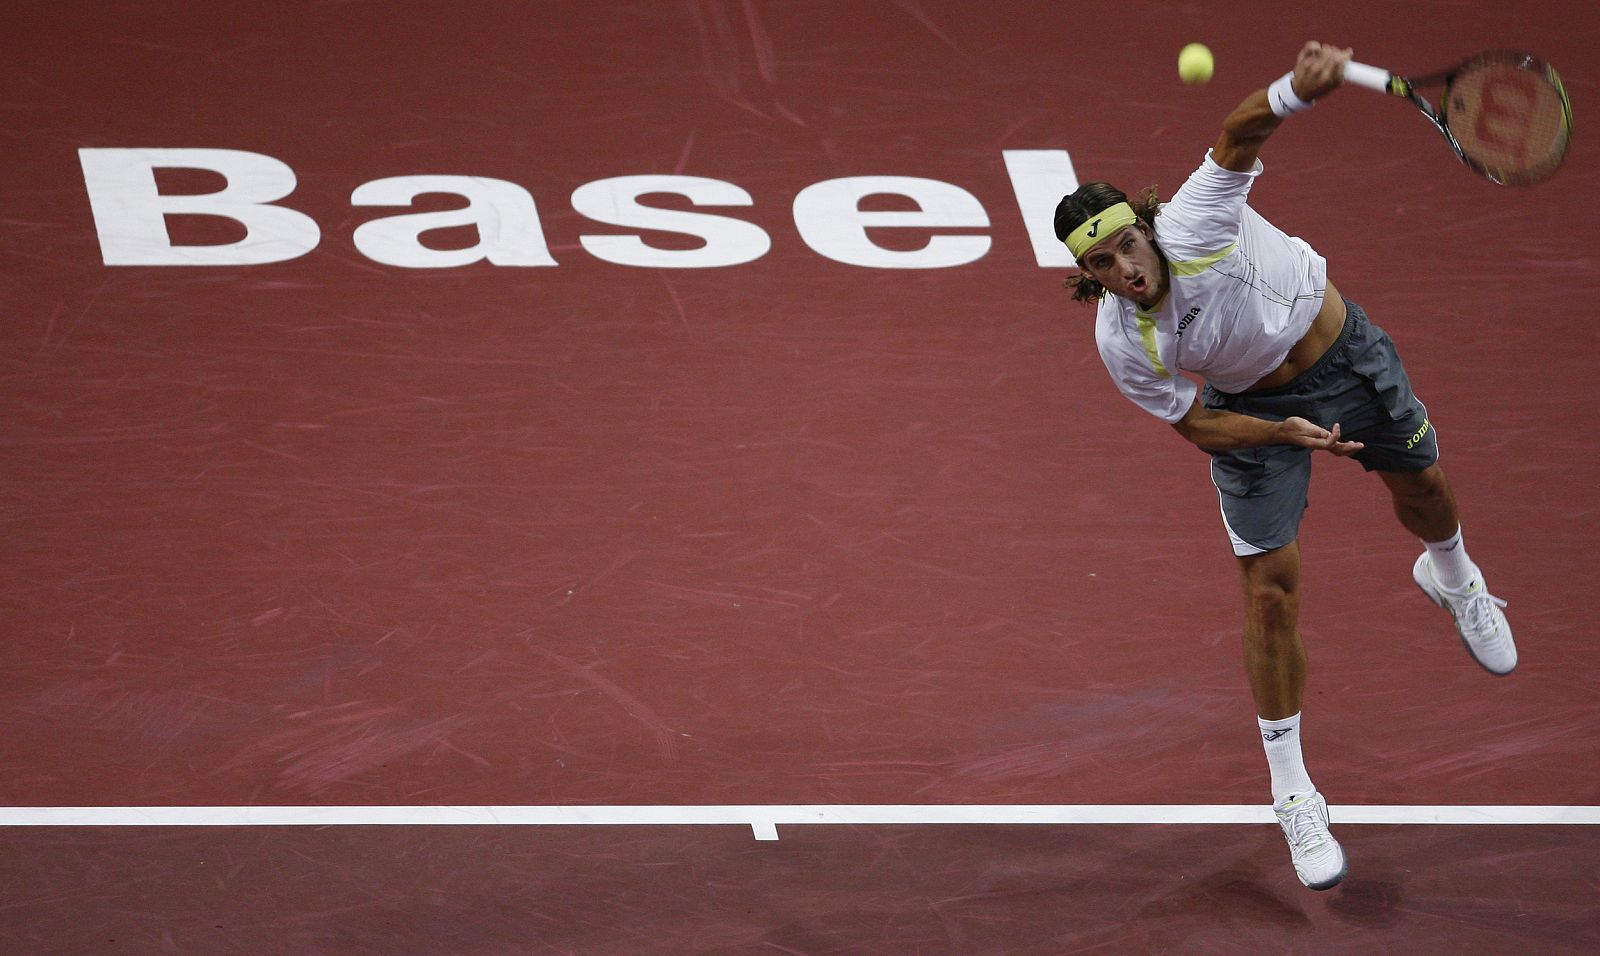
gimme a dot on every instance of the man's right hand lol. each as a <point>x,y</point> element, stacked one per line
<point>1319,69</point>
<point>1298,431</point>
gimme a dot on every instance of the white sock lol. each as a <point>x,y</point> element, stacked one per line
<point>1451,566</point>
<point>1282,740</point>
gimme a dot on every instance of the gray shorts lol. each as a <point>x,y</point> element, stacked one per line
<point>1359,384</point>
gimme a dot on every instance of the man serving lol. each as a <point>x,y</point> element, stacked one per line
<point>1205,285</point>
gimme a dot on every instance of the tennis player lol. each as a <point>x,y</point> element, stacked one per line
<point>1205,285</point>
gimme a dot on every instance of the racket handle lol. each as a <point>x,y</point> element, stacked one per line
<point>1371,77</point>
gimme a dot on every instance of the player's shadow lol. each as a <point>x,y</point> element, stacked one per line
<point>1364,901</point>
<point>1246,893</point>
<point>1241,893</point>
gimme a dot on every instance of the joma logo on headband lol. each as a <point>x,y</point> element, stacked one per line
<point>1113,217</point>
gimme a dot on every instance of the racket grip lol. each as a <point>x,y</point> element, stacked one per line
<point>1371,77</point>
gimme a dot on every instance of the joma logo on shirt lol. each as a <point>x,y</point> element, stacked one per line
<point>1184,322</point>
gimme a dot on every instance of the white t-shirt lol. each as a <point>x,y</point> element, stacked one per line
<point>1242,293</point>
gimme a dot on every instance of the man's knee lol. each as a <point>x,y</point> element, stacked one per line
<point>1271,603</point>
<point>1419,488</point>
<point>1271,588</point>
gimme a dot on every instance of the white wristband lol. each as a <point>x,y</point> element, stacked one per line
<point>1281,97</point>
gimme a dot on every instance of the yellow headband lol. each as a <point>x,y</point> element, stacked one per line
<point>1099,227</point>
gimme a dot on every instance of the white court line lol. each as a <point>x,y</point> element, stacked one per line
<point>765,819</point>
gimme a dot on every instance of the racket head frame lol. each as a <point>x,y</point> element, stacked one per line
<point>1406,88</point>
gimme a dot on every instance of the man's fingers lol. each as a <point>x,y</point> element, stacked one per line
<point>1314,436</point>
<point>1343,449</point>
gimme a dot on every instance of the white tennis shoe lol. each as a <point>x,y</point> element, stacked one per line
<point>1318,858</point>
<point>1479,620</point>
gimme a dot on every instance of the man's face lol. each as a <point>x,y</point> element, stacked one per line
<point>1128,264</point>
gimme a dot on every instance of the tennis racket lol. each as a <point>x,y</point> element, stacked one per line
<point>1505,114</point>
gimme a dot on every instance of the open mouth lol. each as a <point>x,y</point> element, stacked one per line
<point>1139,285</point>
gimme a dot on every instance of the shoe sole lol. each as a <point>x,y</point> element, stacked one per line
<point>1438,601</point>
<point>1344,867</point>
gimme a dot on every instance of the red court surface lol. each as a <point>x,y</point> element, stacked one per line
<point>562,531</point>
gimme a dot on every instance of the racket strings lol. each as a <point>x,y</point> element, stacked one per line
<point>1511,122</point>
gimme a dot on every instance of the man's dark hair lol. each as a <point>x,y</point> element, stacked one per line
<point>1090,199</point>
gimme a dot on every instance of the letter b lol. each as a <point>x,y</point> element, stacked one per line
<point>129,211</point>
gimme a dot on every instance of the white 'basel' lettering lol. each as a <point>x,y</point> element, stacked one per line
<point>130,216</point>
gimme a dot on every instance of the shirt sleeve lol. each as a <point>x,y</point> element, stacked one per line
<point>1166,396</point>
<point>1207,209</point>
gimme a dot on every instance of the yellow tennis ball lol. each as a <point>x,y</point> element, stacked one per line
<point>1195,64</point>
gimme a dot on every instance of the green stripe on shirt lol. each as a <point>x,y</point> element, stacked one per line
<point>1193,267</point>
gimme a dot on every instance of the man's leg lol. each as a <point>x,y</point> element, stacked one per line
<point>1275,659</point>
<point>1274,656</point>
<point>1423,502</point>
<point>1426,507</point>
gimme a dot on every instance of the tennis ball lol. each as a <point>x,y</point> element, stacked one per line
<point>1195,64</point>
